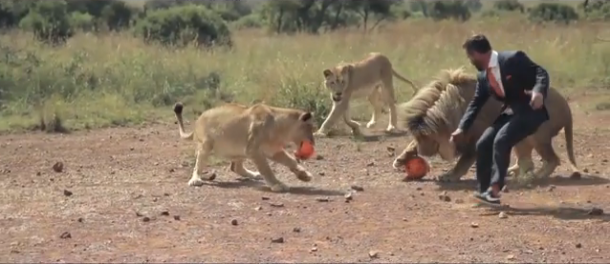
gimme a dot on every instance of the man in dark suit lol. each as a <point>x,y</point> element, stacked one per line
<point>522,85</point>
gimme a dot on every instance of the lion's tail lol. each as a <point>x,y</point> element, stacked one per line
<point>178,111</point>
<point>405,80</point>
<point>568,132</point>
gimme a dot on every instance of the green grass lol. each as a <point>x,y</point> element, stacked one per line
<point>110,80</point>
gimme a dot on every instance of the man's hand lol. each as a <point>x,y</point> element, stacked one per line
<point>457,136</point>
<point>537,99</point>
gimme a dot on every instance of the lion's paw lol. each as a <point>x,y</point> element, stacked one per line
<point>371,124</point>
<point>398,164</point>
<point>320,134</point>
<point>448,177</point>
<point>195,182</point>
<point>304,176</point>
<point>279,187</point>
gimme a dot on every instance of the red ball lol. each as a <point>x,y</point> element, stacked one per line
<point>305,151</point>
<point>416,168</point>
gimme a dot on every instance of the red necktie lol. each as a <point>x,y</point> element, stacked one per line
<point>494,84</point>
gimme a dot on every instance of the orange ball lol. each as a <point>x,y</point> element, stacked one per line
<point>416,168</point>
<point>305,151</point>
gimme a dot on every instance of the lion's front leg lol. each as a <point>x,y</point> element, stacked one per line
<point>237,166</point>
<point>355,126</point>
<point>261,163</point>
<point>409,152</point>
<point>285,159</point>
<point>377,103</point>
<point>335,112</point>
<point>461,168</point>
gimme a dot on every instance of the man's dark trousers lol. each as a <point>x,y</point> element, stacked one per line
<point>494,146</point>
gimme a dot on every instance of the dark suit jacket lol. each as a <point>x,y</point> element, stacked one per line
<point>518,74</point>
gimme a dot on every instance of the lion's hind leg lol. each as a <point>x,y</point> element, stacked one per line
<point>390,99</point>
<point>524,163</point>
<point>237,166</point>
<point>550,160</point>
<point>375,98</point>
<point>202,156</point>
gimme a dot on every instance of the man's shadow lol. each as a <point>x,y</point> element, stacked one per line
<point>585,180</point>
<point>260,185</point>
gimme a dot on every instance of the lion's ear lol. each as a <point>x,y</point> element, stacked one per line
<point>327,73</point>
<point>346,69</point>
<point>305,116</point>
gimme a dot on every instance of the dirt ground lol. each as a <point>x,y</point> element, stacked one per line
<point>123,197</point>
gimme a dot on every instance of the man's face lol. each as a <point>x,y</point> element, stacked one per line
<point>478,60</point>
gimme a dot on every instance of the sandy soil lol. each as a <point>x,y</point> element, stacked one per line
<point>123,197</point>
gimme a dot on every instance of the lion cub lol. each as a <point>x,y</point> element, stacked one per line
<point>259,132</point>
<point>372,78</point>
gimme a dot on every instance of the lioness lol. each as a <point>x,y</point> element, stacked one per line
<point>436,110</point>
<point>371,77</point>
<point>259,132</point>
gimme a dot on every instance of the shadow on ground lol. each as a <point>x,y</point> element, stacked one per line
<point>261,186</point>
<point>559,212</point>
<point>586,180</point>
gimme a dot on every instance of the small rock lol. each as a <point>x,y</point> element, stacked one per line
<point>576,176</point>
<point>278,205</point>
<point>258,208</point>
<point>474,225</point>
<point>458,201</point>
<point>321,173</point>
<point>578,245</point>
<point>65,235</point>
<point>585,170</point>
<point>595,211</point>
<point>58,167</point>
<point>444,197</point>
<point>234,222</point>
<point>502,215</point>
<point>357,188</point>
<point>418,189</point>
<point>171,170</point>
<point>319,157</point>
<point>67,193</point>
<point>323,199</point>
<point>146,219</point>
<point>80,220</point>
<point>296,230</point>
<point>373,254</point>
<point>510,257</point>
<point>265,198</point>
<point>370,164</point>
<point>348,197</point>
<point>313,249</point>
<point>165,213</point>
<point>551,188</point>
<point>277,240</point>
<point>391,151</point>
<point>138,214</point>
<point>177,217</point>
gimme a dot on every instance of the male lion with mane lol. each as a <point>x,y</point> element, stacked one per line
<point>371,78</point>
<point>435,112</point>
<point>259,132</point>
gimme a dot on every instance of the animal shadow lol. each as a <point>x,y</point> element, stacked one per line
<point>585,180</point>
<point>260,185</point>
<point>559,212</point>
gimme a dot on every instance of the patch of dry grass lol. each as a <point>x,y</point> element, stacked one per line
<point>116,79</point>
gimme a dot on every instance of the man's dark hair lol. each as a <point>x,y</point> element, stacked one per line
<point>477,43</point>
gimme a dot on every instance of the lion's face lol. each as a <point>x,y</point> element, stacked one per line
<point>336,80</point>
<point>304,130</point>
<point>436,144</point>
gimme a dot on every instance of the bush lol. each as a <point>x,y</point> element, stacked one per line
<point>509,5</point>
<point>48,20</point>
<point>249,21</point>
<point>184,25</point>
<point>546,12</point>
<point>596,9</point>
<point>82,21</point>
<point>449,10</point>
<point>117,15</point>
